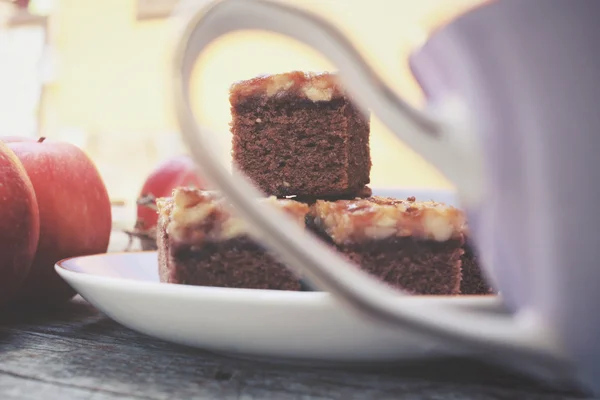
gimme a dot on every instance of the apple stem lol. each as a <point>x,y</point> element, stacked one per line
<point>141,235</point>
<point>41,139</point>
<point>147,201</point>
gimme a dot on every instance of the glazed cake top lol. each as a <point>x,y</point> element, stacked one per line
<point>195,215</point>
<point>375,218</point>
<point>308,86</point>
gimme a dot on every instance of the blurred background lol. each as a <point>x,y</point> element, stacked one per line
<point>96,73</point>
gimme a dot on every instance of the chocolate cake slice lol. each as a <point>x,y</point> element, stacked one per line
<point>201,243</point>
<point>414,246</point>
<point>299,134</point>
<point>473,281</point>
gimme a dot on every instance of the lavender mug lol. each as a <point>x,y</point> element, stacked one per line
<point>512,121</point>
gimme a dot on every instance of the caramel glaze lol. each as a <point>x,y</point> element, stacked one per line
<point>376,218</point>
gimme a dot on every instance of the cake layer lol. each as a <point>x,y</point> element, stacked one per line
<point>413,246</point>
<point>201,242</point>
<point>235,263</point>
<point>410,264</point>
<point>291,143</point>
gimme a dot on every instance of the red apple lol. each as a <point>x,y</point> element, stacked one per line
<point>19,224</point>
<point>74,210</point>
<point>174,172</point>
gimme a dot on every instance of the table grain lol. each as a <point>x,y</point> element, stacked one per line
<point>76,352</point>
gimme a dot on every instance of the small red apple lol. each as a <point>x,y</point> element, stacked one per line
<point>174,172</point>
<point>19,224</point>
<point>74,209</point>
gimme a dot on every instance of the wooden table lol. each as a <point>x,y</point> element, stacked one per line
<point>76,352</point>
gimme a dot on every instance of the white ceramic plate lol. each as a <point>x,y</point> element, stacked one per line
<point>294,326</point>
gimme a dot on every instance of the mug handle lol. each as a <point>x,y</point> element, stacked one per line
<point>442,143</point>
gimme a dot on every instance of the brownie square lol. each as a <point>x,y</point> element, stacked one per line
<point>299,134</point>
<point>413,246</point>
<point>200,242</point>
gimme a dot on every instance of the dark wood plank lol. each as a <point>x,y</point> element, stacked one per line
<point>76,352</point>
<point>18,388</point>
